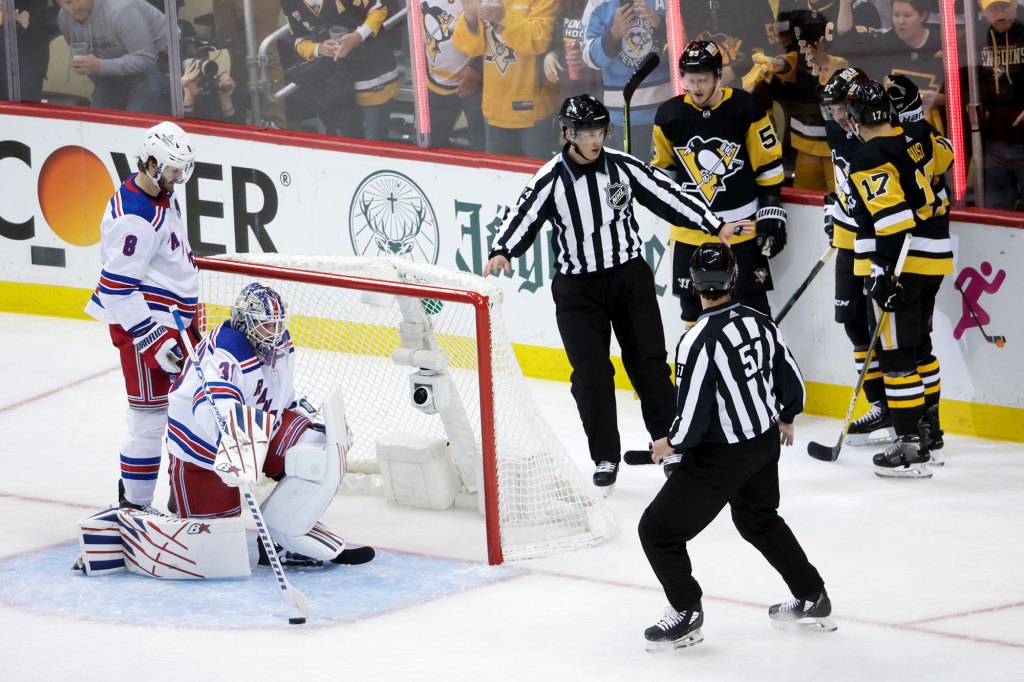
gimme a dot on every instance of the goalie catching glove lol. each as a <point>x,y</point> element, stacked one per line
<point>243,446</point>
<point>158,347</point>
<point>883,286</point>
<point>770,222</point>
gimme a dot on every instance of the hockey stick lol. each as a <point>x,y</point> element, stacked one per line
<point>649,64</point>
<point>291,594</point>
<point>803,287</point>
<point>1000,341</point>
<point>831,454</point>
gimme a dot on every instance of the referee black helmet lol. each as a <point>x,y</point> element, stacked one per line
<point>583,112</point>
<point>713,268</point>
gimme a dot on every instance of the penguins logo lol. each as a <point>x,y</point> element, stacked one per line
<point>708,163</point>
<point>497,52</point>
<point>438,26</point>
<point>616,195</point>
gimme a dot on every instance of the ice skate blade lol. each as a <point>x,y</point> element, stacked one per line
<point>689,639</point>
<point>606,490</point>
<point>911,471</point>
<point>936,460</point>
<point>806,625</point>
<point>885,436</point>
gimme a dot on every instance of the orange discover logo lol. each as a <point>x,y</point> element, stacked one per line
<point>74,188</point>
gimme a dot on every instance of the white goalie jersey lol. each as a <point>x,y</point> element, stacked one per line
<point>235,375</point>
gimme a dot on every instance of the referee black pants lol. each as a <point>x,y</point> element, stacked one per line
<point>588,308</point>
<point>746,477</point>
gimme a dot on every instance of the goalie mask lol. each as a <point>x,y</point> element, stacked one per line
<point>713,268</point>
<point>171,147</point>
<point>259,314</point>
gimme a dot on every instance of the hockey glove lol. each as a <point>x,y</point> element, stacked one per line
<point>158,347</point>
<point>770,222</point>
<point>830,202</point>
<point>884,287</point>
<point>905,98</point>
<point>303,407</point>
<point>243,446</point>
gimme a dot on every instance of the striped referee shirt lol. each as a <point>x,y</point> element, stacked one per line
<point>591,210</point>
<point>734,375</point>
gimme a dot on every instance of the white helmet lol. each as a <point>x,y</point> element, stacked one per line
<point>171,147</point>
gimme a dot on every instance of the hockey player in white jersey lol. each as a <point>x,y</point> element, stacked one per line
<point>147,266</point>
<point>248,362</point>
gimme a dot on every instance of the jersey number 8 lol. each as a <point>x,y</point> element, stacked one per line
<point>130,242</point>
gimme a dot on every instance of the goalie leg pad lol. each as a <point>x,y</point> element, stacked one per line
<point>300,499</point>
<point>99,539</point>
<point>183,549</point>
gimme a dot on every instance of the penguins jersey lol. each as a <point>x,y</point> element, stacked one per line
<point>898,177</point>
<point>147,263</point>
<point>444,60</point>
<point>236,375</point>
<point>373,61</point>
<point>843,146</point>
<point>726,156</point>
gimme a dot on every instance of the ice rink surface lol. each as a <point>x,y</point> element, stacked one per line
<point>925,576</point>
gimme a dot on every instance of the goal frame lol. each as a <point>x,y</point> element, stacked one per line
<point>482,317</point>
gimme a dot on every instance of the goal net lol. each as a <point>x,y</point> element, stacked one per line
<point>348,316</point>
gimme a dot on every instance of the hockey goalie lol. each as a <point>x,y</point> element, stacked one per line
<point>257,427</point>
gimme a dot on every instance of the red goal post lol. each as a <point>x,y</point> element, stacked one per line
<point>345,325</point>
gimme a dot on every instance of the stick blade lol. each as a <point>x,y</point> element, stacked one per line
<point>300,602</point>
<point>823,452</point>
<point>649,64</point>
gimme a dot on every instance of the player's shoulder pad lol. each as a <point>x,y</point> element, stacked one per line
<point>669,110</point>
<point>131,200</point>
<point>746,105</point>
<point>234,343</point>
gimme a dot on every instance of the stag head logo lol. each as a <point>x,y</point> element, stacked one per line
<point>391,216</point>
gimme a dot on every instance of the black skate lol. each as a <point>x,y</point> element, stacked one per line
<point>354,556</point>
<point>811,614</point>
<point>906,458</point>
<point>671,463</point>
<point>123,502</point>
<point>606,473</point>
<point>676,629</point>
<point>288,559</point>
<point>935,436</point>
<point>877,419</point>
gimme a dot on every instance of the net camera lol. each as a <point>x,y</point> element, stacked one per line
<point>430,391</point>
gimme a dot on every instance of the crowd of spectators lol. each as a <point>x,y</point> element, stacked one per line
<point>496,69</point>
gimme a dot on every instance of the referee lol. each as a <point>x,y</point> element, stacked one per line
<point>739,390</point>
<point>602,283</point>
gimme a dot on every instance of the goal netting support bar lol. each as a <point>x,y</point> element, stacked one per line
<point>349,315</point>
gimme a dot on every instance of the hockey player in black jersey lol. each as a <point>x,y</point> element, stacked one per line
<point>739,389</point>
<point>722,149</point>
<point>897,175</point>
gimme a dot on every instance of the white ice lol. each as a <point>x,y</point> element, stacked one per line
<point>925,576</point>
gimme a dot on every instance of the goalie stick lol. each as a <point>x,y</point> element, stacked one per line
<point>803,287</point>
<point>999,341</point>
<point>649,64</point>
<point>290,593</point>
<point>831,454</point>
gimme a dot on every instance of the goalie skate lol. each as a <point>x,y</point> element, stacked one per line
<point>812,614</point>
<point>874,428</point>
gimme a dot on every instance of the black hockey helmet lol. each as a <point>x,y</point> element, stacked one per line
<point>583,112</point>
<point>868,103</point>
<point>808,25</point>
<point>838,87</point>
<point>713,268</point>
<point>701,56</point>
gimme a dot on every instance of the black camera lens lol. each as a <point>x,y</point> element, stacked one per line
<point>421,395</point>
<point>209,68</point>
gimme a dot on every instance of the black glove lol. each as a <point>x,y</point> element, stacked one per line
<point>905,98</point>
<point>770,223</point>
<point>883,286</point>
<point>830,201</point>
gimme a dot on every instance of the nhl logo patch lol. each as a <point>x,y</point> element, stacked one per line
<point>616,194</point>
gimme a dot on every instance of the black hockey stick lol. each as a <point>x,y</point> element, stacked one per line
<point>1000,341</point>
<point>831,454</point>
<point>649,64</point>
<point>803,287</point>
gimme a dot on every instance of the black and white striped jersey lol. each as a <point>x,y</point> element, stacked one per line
<point>734,375</point>
<point>590,208</point>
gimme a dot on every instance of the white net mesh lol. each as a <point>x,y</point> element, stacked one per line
<point>347,336</point>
